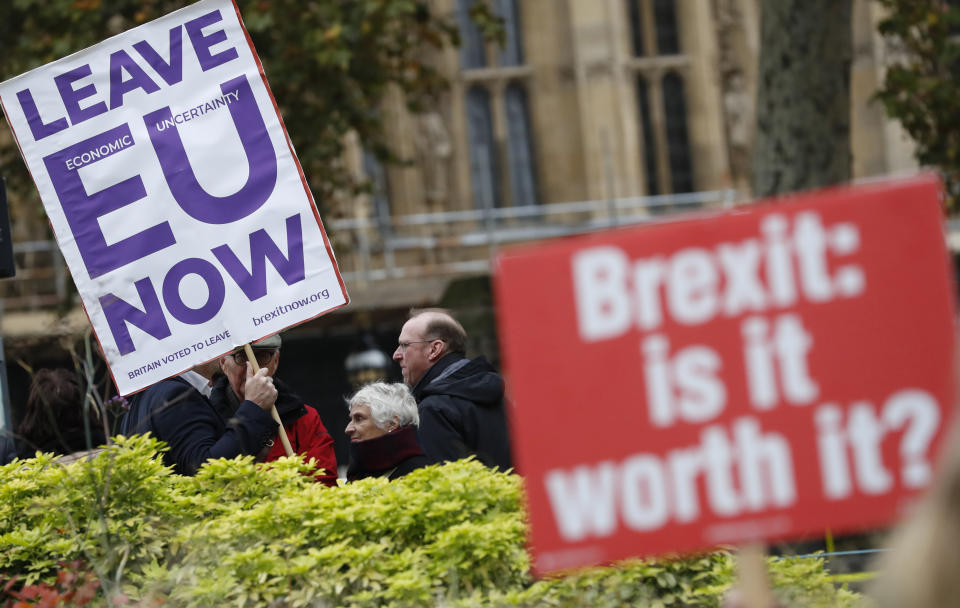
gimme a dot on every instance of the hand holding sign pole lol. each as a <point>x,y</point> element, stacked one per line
<point>273,408</point>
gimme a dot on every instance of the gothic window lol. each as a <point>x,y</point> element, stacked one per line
<point>473,53</point>
<point>520,158</point>
<point>378,184</point>
<point>636,28</point>
<point>649,144</point>
<point>512,52</point>
<point>665,18</point>
<point>482,144</point>
<point>678,142</point>
<point>660,67</point>
<point>499,128</point>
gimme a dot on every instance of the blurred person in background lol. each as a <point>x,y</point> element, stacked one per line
<point>921,568</point>
<point>383,433</point>
<point>305,430</point>
<point>54,420</point>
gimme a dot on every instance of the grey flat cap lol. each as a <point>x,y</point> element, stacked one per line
<point>268,342</point>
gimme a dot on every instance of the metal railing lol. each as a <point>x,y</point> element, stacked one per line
<point>393,247</point>
<point>459,242</point>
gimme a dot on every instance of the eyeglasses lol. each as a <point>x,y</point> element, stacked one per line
<point>263,356</point>
<point>403,345</point>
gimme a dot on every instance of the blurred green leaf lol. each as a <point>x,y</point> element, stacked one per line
<point>921,88</point>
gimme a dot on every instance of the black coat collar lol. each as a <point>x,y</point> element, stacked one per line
<point>435,370</point>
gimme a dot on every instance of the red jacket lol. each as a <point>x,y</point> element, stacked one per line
<point>309,438</point>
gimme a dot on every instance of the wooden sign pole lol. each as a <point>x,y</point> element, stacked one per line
<point>752,572</point>
<point>273,408</point>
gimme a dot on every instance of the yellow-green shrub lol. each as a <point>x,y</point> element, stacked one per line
<point>246,534</point>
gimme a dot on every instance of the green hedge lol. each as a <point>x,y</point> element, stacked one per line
<point>243,534</point>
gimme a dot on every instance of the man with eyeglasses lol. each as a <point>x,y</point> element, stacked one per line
<point>460,400</point>
<point>178,411</point>
<point>307,434</point>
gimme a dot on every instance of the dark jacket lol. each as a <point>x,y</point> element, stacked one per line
<point>308,437</point>
<point>462,412</point>
<point>177,413</point>
<point>394,455</point>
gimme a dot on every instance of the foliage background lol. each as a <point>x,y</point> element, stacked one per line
<point>243,534</point>
<point>330,64</point>
<point>922,86</point>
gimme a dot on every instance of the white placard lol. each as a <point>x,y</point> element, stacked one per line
<point>174,192</point>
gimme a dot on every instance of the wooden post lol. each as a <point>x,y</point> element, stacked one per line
<point>752,572</point>
<point>273,409</point>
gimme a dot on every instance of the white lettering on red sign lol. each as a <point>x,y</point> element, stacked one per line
<point>695,285</point>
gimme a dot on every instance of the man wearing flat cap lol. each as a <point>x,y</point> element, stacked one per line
<point>307,434</point>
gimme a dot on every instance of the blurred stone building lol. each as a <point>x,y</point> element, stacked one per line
<point>600,99</point>
<point>592,114</point>
<point>597,102</point>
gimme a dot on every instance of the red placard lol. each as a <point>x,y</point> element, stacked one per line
<point>759,374</point>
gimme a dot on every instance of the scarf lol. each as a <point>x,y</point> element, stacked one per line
<point>380,455</point>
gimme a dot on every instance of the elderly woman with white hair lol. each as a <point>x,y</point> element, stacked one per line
<point>383,432</point>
